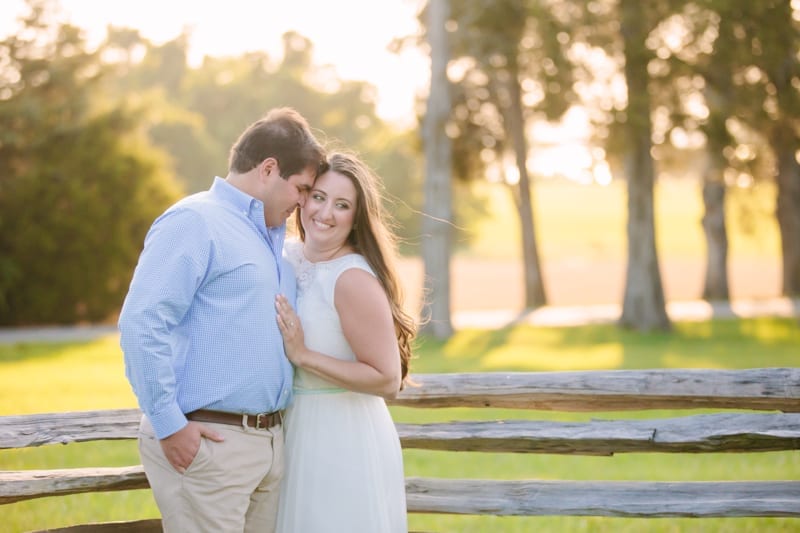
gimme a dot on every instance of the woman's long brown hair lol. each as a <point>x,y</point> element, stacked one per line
<point>373,238</point>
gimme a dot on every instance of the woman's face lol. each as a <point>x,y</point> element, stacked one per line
<point>329,211</point>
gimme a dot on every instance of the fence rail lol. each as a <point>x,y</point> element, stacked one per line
<point>726,432</point>
<point>773,393</point>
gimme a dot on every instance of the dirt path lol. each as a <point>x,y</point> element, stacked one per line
<point>488,293</point>
<point>479,284</point>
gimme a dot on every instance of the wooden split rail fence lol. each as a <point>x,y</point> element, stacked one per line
<point>754,410</point>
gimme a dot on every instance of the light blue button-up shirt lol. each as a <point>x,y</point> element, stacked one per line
<point>198,326</point>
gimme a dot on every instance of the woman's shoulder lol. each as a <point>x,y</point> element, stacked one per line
<point>352,260</point>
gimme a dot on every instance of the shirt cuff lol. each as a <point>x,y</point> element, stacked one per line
<point>168,421</point>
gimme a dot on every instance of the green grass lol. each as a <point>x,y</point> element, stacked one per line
<point>589,221</point>
<point>38,378</point>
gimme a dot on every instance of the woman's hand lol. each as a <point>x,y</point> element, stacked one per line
<point>291,329</point>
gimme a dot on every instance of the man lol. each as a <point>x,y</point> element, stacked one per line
<point>202,348</point>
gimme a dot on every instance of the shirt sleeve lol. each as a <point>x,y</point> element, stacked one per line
<point>170,270</point>
<point>289,282</point>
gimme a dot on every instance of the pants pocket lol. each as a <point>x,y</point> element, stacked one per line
<point>202,458</point>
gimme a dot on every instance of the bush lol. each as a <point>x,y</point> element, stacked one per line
<point>73,222</point>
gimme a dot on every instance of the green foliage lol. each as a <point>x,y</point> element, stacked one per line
<point>194,155</point>
<point>79,217</point>
<point>78,188</point>
<point>498,45</point>
<point>197,117</point>
<point>82,176</point>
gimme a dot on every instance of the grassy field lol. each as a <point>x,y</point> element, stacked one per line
<point>38,378</point>
<point>589,220</point>
<point>582,245</point>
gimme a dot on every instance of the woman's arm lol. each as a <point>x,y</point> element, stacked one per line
<point>368,326</point>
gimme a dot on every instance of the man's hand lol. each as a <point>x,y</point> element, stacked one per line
<point>181,447</point>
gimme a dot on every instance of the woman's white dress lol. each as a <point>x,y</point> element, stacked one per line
<point>344,464</point>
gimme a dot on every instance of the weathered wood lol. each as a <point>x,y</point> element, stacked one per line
<point>775,389</point>
<point>483,496</point>
<point>29,484</point>
<point>758,389</point>
<point>692,434</point>
<point>21,431</point>
<point>151,525</point>
<point>613,390</point>
<point>727,432</point>
<point>604,498</point>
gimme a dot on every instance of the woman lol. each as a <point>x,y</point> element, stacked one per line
<point>344,462</point>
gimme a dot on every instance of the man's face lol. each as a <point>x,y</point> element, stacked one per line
<point>283,196</point>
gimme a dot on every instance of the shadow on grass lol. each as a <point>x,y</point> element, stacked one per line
<point>722,344</point>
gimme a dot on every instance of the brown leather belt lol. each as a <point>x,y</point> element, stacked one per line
<point>259,421</point>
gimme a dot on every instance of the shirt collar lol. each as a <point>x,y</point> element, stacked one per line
<point>226,192</point>
<point>244,203</point>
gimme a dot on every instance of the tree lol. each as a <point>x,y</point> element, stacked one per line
<point>715,228</point>
<point>772,70</point>
<point>691,81</point>
<point>717,95</point>
<point>496,34</point>
<point>643,305</point>
<point>619,33</point>
<point>78,187</point>
<point>196,116</point>
<point>752,78</point>
<point>436,243</point>
<point>156,77</point>
<point>503,46</point>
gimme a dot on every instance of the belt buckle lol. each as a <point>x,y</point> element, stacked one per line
<point>258,420</point>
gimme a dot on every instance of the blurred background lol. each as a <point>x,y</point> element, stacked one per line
<point>534,153</point>
<point>559,160</point>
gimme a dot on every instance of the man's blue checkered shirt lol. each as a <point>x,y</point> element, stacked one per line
<point>198,326</point>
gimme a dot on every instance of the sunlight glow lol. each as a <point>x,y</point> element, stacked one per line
<point>602,173</point>
<point>511,173</point>
<point>350,35</point>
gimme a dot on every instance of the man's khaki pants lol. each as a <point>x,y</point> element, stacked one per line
<point>231,486</point>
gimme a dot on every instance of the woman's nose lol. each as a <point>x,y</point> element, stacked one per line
<point>325,211</point>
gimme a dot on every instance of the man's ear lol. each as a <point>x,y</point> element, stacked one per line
<point>268,165</point>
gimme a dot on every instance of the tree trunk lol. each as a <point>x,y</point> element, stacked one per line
<point>534,282</point>
<point>785,145</point>
<point>643,305</point>
<point>716,232</point>
<point>436,241</point>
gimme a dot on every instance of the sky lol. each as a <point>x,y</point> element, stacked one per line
<point>350,35</point>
